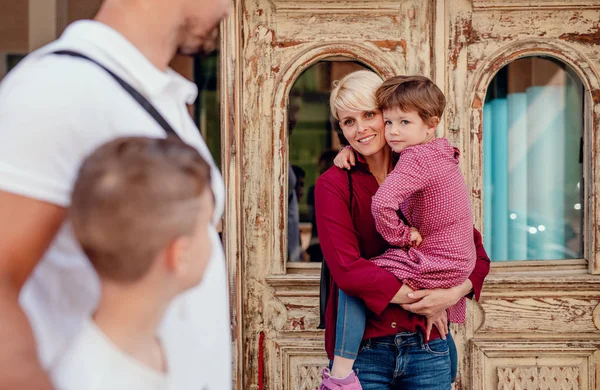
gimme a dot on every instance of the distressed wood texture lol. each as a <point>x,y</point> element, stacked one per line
<point>538,323</point>
<point>281,39</point>
<point>544,307</point>
<point>535,365</point>
<point>496,37</point>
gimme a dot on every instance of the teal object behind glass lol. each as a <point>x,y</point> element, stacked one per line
<point>533,171</point>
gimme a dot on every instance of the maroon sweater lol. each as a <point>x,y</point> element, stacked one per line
<point>348,243</point>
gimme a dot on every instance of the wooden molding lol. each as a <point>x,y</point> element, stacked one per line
<point>527,5</point>
<point>299,362</point>
<point>534,365</point>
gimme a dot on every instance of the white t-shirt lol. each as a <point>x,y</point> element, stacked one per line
<point>93,362</point>
<point>54,111</point>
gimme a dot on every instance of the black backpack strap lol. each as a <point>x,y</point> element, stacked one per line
<point>146,105</point>
<point>351,189</point>
<point>325,282</point>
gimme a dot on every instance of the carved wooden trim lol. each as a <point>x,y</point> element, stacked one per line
<point>589,76</point>
<point>502,364</point>
<point>533,378</point>
<point>596,316</point>
<point>550,317</point>
<point>534,266</point>
<point>230,91</point>
<point>319,6</point>
<point>299,362</point>
<point>288,73</point>
<point>294,282</point>
<point>542,283</point>
<point>532,5</point>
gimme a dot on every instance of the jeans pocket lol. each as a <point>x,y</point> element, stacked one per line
<point>365,346</point>
<point>437,347</point>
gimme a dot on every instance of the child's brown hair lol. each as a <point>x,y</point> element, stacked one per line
<point>133,196</point>
<point>412,93</point>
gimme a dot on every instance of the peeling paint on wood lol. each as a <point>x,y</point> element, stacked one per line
<point>278,40</point>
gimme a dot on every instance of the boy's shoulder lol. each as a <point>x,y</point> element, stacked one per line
<point>437,149</point>
<point>93,362</point>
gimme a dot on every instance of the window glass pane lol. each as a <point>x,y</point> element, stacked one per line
<point>10,61</point>
<point>207,110</point>
<point>533,163</point>
<point>313,143</point>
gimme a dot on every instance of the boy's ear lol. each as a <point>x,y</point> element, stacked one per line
<point>177,254</point>
<point>433,123</point>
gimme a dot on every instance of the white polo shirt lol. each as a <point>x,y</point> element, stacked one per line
<point>93,362</point>
<point>55,110</point>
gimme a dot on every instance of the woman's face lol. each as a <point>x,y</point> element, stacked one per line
<point>364,130</point>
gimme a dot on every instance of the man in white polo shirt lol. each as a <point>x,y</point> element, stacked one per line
<point>54,110</point>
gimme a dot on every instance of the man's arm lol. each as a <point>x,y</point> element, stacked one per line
<point>27,227</point>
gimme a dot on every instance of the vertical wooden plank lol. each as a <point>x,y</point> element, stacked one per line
<point>14,21</point>
<point>440,47</point>
<point>42,23</point>
<point>231,101</point>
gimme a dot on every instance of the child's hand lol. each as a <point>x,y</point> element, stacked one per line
<point>415,237</point>
<point>345,159</point>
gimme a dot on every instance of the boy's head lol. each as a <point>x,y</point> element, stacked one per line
<point>412,107</point>
<point>142,206</point>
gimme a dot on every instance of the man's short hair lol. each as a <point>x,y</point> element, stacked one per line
<point>411,94</point>
<point>298,171</point>
<point>134,196</point>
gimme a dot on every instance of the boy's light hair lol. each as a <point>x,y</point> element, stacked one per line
<point>133,196</point>
<point>355,92</point>
<point>412,94</point>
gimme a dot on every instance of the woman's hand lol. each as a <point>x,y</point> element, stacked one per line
<point>431,302</point>
<point>440,321</point>
<point>345,159</point>
<point>402,296</point>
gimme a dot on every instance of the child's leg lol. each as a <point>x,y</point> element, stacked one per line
<point>453,355</point>
<point>349,331</point>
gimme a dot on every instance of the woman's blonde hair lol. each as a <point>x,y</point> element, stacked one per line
<point>355,92</point>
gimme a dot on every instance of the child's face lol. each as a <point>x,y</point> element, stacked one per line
<point>404,129</point>
<point>363,130</point>
<point>200,249</point>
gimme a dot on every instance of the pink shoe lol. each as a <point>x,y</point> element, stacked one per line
<point>350,382</point>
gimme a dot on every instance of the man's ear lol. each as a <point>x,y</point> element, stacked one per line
<point>176,254</point>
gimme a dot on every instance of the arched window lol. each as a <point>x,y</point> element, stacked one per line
<point>533,162</point>
<point>313,143</point>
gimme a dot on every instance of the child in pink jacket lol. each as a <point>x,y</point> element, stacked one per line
<point>435,248</point>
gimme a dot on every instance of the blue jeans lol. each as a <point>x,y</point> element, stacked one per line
<point>453,355</point>
<point>403,362</point>
<point>350,328</point>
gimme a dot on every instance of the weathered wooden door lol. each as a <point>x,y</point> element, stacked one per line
<point>537,326</point>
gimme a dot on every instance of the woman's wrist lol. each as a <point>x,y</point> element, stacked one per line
<point>463,289</point>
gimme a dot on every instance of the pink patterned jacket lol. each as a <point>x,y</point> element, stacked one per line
<point>428,188</point>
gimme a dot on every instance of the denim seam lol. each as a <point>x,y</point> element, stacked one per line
<point>341,352</point>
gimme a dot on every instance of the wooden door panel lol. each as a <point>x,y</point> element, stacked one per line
<point>506,365</point>
<point>536,326</point>
<point>281,39</point>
